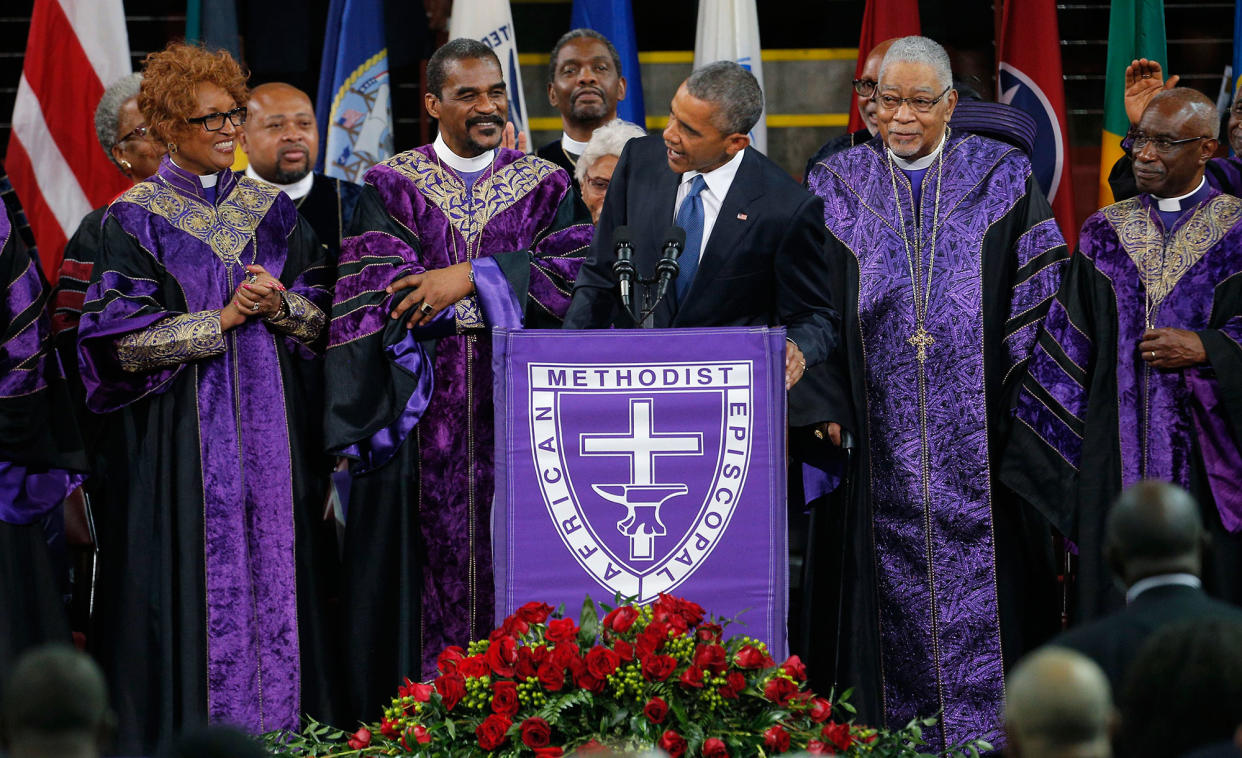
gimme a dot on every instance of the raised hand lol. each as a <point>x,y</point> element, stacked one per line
<point>1144,80</point>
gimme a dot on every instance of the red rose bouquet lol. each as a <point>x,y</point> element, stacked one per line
<point>658,676</point>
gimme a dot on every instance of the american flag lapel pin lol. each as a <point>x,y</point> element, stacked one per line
<point>741,217</point>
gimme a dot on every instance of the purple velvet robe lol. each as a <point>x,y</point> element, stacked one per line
<point>202,607</point>
<point>923,617</point>
<point>1094,417</point>
<point>423,428</point>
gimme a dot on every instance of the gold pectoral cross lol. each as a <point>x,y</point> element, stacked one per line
<point>921,339</point>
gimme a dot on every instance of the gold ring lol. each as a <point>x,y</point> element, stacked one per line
<point>427,308</point>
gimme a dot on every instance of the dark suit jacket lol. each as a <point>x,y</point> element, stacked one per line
<point>1114,641</point>
<point>764,263</point>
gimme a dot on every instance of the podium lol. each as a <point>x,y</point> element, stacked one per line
<point>643,462</point>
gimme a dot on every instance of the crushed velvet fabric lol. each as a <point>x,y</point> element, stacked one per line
<point>930,638</point>
<point>217,458</point>
<point>1093,417</point>
<point>514,224</point>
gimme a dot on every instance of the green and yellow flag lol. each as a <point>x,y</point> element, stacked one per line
<point>1135,30</point>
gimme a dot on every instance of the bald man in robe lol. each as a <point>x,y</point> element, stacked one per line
<point>281,141</point>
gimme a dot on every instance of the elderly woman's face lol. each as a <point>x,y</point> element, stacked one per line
<point>595,184</point>
<point>138,154</point>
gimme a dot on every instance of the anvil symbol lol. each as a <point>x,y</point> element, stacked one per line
<point>642,497</point>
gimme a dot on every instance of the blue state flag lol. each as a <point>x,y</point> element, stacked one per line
<point>354,104</point>
<point>1237,45</point>
<point>615,20</point>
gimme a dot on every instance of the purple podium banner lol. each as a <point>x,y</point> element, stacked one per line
<point>643,462</point>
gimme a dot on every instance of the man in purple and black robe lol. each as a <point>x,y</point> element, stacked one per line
<point>40,455</point>
<point>947,255</point>
<point>450,240</point>
<point>1138,371</point>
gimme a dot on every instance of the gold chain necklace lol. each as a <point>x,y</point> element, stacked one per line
<point>491,178</point>
<point>921,339</point>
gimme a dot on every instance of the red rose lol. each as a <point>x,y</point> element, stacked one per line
<point>551,677</point>
<point>505,698</point>
<point>536,732</point>
<point>821,709</point>
<point>491,732</point>
<point>839,735</point>
<point>420,735</point>
<point>526,665</point>
<point>712,658</point>
<point>474,667</point>
<point>749,657</point>
<point>534,613</point>
<point>736,681</point>
<point>561,630</point>
<point>388,728</point>
<point>672,743</point>
<point>513,626</point>
<point>452,688</point>
<point>714,747</point>
<point>657,668</point>
<point>549,752</point>
<point>779,690</point>
<point>501,655</point>
<point>815,747</point>
<point>624,650</point>
<point>591,747</point>
<point>420,692</point>
<point>796,669</point>
<point>709,632</point>
<point>621,619</point>
<point>588,681</point>
<point>601,662</point>
<point>449,658</point>
<point>360,739</point>
<point>564,654</point>
<point>776,740</point>
<point>692,677</point>
<point>655,710</point>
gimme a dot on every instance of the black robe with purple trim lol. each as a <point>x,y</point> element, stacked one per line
<point>1093,417</point>
<point>214,566</point>
<point>414,411</point>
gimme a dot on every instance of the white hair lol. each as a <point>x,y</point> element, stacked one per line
<point>108,112</point>
<point>608,139</point>
<point>920,50</point>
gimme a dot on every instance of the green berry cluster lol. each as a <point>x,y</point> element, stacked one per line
<point>681,648</point>
<point>530,694</point>
<point>478,647</point>
<point>478,693</point>
<point>627,680</point>
<point>710,695</point>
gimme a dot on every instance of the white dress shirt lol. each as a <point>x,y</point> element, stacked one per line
<point>1161,580</point>
<point>457,162</point>
<point>296,191</point>
<point>718,182</point>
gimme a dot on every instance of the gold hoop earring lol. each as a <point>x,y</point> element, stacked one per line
<point>126,165</point>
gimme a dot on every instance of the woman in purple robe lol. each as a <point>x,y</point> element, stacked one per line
<point>39,452</point>
<point>206,309</point>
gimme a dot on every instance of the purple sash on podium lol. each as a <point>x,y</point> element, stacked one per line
<point>643,462</point>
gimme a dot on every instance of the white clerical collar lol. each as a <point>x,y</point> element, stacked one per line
<point>204,180</point>
<point>1162,580</point>
<point>296,191</point>
<point>571,145</point>
<point>458,163</point>
<point>1175,203</point>
<point>919,164</point>
<point>719,179</point>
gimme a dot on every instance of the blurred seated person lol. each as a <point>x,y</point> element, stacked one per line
<point>281,141</point>
<point>594,169</point>
<point>1145,80</point>
<point>55,705</point>
<point>1058,705</point>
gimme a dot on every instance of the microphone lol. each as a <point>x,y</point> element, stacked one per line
<point>623,266</point>
<point>667,268</point>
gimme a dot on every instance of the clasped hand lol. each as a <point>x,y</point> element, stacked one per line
<point>433,291</point>
<point>1172,348</point>
<point>257,297</point>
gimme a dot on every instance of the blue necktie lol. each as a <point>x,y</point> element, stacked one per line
<point>690,218</point>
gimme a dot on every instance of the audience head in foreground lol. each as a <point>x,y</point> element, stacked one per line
<point>711,116</point>
<point>215,742</point>
<point>1058,705</point>
<point>1176,137</point>
<point>1184,690</point>
<point>55,705</point>
<point>594,168</point>
<point>915,97</point>
<point>1154,529</point>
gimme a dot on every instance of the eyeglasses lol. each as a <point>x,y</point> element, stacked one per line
<point>598,183</point>
<point>214,122</point>
<point>919,104</point>
<point>1137,141</point>
<point>139,131</point>
<point>864,87</point>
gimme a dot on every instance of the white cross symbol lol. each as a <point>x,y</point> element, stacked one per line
<point>641,444</point>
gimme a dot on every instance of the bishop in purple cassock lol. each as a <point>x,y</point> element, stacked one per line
<point>455,238</point>
<point>948,254</point>
<point>1138,371</point>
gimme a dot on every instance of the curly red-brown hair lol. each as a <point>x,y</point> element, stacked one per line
<point>170,80</point>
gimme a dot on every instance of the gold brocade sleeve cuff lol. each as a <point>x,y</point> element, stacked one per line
<point>303,320</point>
<point>171,341</point>
<point>469,314</point>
